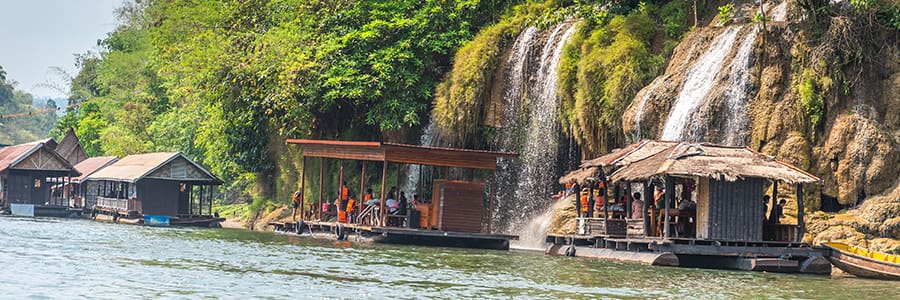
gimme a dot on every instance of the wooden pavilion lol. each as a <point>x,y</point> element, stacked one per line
<point>724,222</point>
<point>29,173</point>
<point>459,211</point>
<point>164,188</point>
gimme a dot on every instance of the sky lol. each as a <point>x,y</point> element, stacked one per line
<point>36,35</point>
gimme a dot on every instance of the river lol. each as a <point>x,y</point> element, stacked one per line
<point>58,258</point>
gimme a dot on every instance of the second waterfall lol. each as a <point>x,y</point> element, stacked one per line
<point>529,125</point>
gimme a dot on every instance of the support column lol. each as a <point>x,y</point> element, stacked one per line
<point>670,198</point>
<point>801,223</point>
<point>362,192</point>
<point>381,213</point>
<point>774,199</point>
<point>628,200</point>
<point>648,189</point>
<point>491,202</point>
<point>302,187</point>
<point>321,185</point>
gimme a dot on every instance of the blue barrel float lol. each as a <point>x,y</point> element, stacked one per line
<point>151,220</point>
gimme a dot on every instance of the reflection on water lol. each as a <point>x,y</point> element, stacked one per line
<point>52,258</point>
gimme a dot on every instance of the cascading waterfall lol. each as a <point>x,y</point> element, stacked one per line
<point>536,173</point>
<point>698,83</point>
<point>737,94</point>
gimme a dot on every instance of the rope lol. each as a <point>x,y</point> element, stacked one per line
<point>37,112</point>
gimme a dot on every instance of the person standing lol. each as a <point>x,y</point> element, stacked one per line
<point>295,203</point>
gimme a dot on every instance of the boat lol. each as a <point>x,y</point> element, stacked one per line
<point>863,262</point>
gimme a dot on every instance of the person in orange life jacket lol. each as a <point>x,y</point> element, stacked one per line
<point>583,208</point>
<point>295,202</point>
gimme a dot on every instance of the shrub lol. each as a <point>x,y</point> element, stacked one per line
<point>726,13</point>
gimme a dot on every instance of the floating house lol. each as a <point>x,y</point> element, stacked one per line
<point>454,212</point>
<point>702,207</point>
<point>84,193</point>
<point>33,178</point>
<point>155,189</point>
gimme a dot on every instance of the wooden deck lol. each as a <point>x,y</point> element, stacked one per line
<point>398,235</point>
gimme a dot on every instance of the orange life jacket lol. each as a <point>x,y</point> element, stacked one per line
<point>351,204</point>
<point>367,197</point>
<point>584,203</point>
<point>345,193</point>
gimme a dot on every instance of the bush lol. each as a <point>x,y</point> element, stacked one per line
<point>811,90</point>
<point>726,13</point>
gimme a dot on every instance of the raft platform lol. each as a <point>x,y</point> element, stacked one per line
<point>769,256</point>
<point>398,235</point>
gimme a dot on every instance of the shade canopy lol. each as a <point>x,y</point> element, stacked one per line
<point>160,165</point>
<point>712,161</point>
<point>402,153</point>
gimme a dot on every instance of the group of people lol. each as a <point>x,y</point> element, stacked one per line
<point>348,210</point>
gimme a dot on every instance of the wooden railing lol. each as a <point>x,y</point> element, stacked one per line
<point>117,204</point>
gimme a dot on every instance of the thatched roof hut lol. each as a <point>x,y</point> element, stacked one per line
<point>712,161</point>
<point>616,159</point>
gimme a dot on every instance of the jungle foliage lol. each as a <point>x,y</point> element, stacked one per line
<point>227,81</point>
<point>18,128</point>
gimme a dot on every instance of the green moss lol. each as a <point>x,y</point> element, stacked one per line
<point>612,63</point>
<point>811,89</point>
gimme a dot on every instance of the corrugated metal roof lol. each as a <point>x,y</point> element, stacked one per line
<point>12,154</point>
<point>135,167</point>
<point>91,165</point>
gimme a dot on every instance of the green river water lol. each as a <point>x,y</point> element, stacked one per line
<point>66,259</point>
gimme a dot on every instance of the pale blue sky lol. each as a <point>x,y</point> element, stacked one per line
<point>38,34</point>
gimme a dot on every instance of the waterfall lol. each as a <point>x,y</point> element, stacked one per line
<point>737,94</point>
<point>429,137</point>
<point>530,126</point>
<point>698,82</point>
<point>533,235</point>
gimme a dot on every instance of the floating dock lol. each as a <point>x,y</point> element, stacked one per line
<point>782,257</point>
<point>395,235</point>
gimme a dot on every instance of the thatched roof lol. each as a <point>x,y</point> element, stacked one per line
<point>616,159</point>
<point>712,161</point>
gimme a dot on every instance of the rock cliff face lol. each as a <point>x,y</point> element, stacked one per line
<point>742,84</point>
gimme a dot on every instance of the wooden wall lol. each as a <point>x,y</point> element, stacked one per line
<point>461,205</point>
<point>158,197</point>
<point>731,211</point>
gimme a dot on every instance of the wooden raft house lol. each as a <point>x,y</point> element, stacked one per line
<point>458,213</point>
<point>33,177</point>
<point>165,188</point>
<point>701,205</point>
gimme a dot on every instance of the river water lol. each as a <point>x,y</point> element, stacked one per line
<point>56,258</point>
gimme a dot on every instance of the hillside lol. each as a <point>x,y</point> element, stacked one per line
<point>18,126</point>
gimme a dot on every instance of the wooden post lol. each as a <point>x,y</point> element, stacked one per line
<point>491,202</point>
<point>801,224</point>
<point>670,197</point>
<point>628,200</point>
<point>321,185</point>
<point>774,199</point>
<point>605,200</point>
<point>381,214</point>
<point>645,208</point>
<point>362,191</point>
<point>302,187</point>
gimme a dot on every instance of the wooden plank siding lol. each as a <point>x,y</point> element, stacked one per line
<point>730,210</point>
<point>461,205</point>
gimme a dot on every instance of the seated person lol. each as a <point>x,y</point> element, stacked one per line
<point>687,205</point>
<point>392,205</point>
